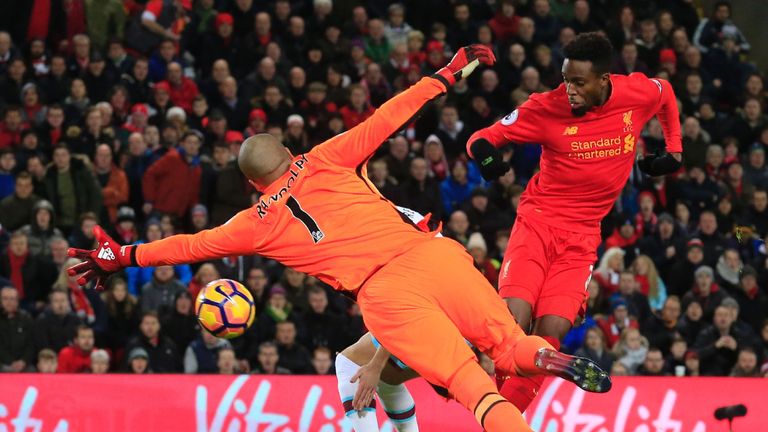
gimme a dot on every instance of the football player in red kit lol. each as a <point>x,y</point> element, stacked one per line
<point>587,128</point>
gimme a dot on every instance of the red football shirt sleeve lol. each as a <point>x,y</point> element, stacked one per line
<point>353,147</point>
<point>661,93</point>
<point>522,125</point>
<point>238,236</point>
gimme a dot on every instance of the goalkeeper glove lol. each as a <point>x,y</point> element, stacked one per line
<point>464,62</point>
<point>492,165</point>
<point>655,165</point>
<point>108,258</point>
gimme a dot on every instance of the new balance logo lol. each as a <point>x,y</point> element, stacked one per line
<point>571,130</point>
<point>106,254</point>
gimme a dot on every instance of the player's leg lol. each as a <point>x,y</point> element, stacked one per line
<point>409,321</point>
<point>522,390</point>
<point>472,304</point>
<point>552,327</point>
<point>362,421</point>
<point>394,396</point>
<point>475,308</point>
<point>399,406</point>
<point>565,289</point>
<point>560,300</point>
<point>524,270</point>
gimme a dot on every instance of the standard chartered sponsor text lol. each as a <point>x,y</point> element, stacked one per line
<point>595,149</point>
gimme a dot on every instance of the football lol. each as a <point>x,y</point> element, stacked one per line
<point>225,308</point>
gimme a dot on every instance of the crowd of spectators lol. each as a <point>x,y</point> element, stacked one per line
<point>129,114</point>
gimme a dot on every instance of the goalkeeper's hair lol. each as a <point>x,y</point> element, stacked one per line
<point>592,47</point>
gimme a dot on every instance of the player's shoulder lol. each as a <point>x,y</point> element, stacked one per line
<point>320,151</point>
<point>549,97</point>
<point>637,86</point>
<point>547,103</point>
<point>635,81</point>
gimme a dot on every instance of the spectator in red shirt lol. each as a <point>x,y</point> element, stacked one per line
<point>416,54</point>
<point>504,24</point>
<point>358,109</point>
<point>183,89</point>
<point>161,102</point>
<point>613,325</point>
<point>11,127</point>
<point>113,182</point>
<point>435,57</point>
<point>76,358</point>
<point>172,184</point>
<point>622,237</point>
<point>138,119</point>
<point>52,130</point>
<point>646,220</point>
<point>316,110</point>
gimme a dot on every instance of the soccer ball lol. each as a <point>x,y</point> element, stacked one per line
<point>225,308</point>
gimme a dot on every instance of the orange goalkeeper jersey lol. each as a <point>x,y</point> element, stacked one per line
<point>323,217</point>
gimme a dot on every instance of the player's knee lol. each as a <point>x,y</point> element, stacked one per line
<point>552,326</point>
<point>345,367</point>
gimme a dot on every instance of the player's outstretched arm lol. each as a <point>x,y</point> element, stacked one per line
<point>521,125</point>
<point>236,237</point>
<point>355,146</point>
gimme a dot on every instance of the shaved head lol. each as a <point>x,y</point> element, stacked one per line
<point>263,159</point>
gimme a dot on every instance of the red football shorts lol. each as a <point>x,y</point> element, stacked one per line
<point>548,267</point>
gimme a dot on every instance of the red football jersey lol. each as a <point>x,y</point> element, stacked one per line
<point>585,161</point>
